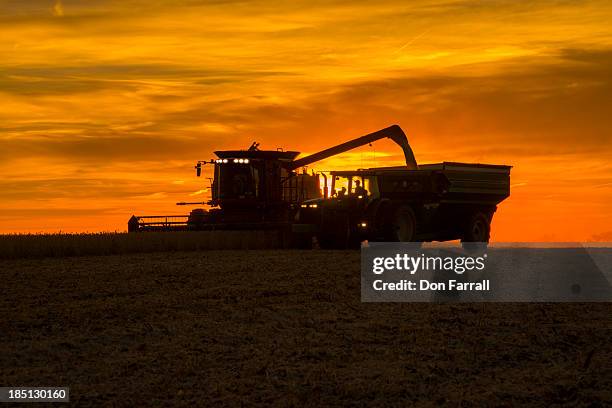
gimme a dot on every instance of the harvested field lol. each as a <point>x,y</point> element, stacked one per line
<point>288,327</point>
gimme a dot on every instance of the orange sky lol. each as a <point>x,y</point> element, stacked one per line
<point>106,105</point>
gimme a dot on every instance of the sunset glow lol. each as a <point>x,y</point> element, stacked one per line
<point>105,106</point>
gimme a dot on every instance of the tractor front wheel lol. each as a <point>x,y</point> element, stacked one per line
<point>335,231</point>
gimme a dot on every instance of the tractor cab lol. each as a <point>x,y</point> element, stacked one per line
<point>346,189</point>
<point>353,185</point>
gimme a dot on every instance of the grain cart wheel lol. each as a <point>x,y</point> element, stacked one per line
<point>403,225</point>
<point>477,232</point>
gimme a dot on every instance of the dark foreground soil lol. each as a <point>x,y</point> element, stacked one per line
<point>285,327</point>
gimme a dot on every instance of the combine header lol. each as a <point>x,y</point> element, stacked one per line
<point>263,192</point>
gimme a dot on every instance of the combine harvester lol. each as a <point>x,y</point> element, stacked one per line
<point>260,199</point>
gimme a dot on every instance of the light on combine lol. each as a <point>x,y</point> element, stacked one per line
<point>363,224</point>
<point>235,160</point>
<point>313,206</point>
<point>224,160</point>
<point>240,160</point>
<point>246,161</point>
<point>304,206</point>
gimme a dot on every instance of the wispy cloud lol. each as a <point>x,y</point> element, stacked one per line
<point>58,8</point>
<point>199,192</point>
<point>412,40</point>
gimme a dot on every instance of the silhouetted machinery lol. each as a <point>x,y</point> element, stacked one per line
<point>255,190</point>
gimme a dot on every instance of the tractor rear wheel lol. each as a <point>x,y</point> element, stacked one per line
<point>403,225</point>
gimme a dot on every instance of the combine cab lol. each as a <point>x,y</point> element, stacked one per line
<point>264,190</point>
